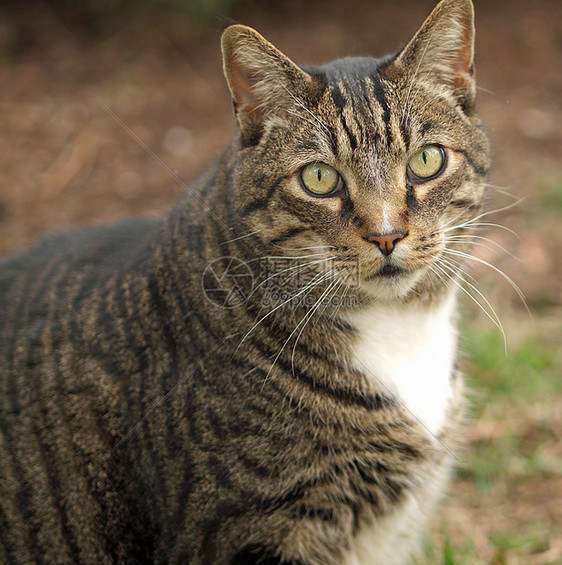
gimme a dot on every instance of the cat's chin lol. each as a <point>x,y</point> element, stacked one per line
<point>391,285</point>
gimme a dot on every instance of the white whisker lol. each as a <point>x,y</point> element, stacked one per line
<point>451,221</point>
<point>242,237</point>
<point>406,103</point>
<point>461,237</point>
<point>286,257</point>
<point>486,90</point>
<point>443,266</point>
<point>328,247</point>
<point>512,283</point>
<point>317,279</point>
<point>305,318</point>
<point>440,95</point>
<point>300,116</point>
<point>468,225</point>
<point>427,75</point>
<point>316,118</point>
<point>333,285</point>
<point>298,268</point>
<point>504,190</point>
<point>495,211</point>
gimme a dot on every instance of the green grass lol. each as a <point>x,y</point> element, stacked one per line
<point>528,369</point>
<point>551,191</point>
<point>530,541</point>
<point>446,552</point>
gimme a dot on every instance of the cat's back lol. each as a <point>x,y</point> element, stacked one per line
<point>51,295</point>
<point>106,246</point>
<point>28,279</point>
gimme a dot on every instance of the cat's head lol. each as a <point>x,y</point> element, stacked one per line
<point>380,161</point>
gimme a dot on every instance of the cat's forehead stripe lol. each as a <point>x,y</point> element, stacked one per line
<point>347,113</point>
<point>366,123</point>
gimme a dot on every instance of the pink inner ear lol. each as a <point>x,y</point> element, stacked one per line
<point>247,108</point>
<point>243,92</point>
<point>242,88</point>
<point>463,65</point>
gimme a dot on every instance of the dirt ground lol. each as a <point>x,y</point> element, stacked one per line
<point>65,162</point>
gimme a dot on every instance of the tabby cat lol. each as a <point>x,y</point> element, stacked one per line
<point>268,373</point>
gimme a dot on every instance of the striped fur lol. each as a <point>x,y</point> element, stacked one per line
<point>142,423</point>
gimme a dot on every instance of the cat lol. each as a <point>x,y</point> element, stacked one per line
<point>268,373</point>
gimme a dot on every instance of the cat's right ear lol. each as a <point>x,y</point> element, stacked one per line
<point>442,52</point>
<point>263,82</point>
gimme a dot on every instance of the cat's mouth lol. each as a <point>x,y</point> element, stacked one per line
<point>387,271</point>
<point>390,281</point>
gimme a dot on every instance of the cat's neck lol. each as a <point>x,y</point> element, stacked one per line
<point>408,349</point>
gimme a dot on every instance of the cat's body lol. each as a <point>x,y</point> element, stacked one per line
<point>142,422</point>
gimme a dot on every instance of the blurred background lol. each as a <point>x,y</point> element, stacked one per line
<point>65,163</point>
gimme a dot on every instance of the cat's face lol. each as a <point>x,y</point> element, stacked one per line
<point>373,161</point>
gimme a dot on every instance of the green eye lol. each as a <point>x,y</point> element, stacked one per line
<point>320,179</point>
<point>427,162</point>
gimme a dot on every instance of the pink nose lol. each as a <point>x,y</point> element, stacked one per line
<point>386,242</point>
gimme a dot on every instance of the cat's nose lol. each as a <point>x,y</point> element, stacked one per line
<point>385,241</point>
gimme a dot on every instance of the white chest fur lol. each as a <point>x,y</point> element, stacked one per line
<point>411,351</point>
<point>390,540</point>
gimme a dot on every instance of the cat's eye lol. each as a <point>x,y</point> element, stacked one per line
<point>427,163</point>
<point>321,179</point>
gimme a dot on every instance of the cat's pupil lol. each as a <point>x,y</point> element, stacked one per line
<point>319,174</point>
<point>424,157</point>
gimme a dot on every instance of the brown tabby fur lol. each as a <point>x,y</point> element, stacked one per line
<point>141,423</point>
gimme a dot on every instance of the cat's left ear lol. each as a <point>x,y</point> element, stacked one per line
<point>263,82</point>
<point>442,51</point>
